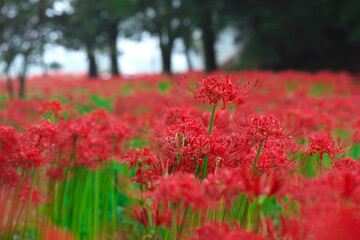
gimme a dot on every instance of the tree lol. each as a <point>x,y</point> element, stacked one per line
<point>111,14</point>
<point>161,18</point>
<point>80,29</point>
<point>23,31</point>
<point>96,28</point>
<point>208,17</point>
<point>304,35</point>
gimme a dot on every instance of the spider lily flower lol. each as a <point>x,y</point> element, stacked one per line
<point>140,214</point>
<point>214,89</point>
<point>216,230</point>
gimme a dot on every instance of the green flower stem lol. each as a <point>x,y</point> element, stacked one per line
<point>14,204</point>
<point>81,205</point>
<point>203,176</point>
<point>257,157</point>
<point>114,199</point>
<point>62,191</point>
<point>256,215</point>
<point>240,203</point>
<point>104,208</point>
<point>95,219</point>
<point>29,203</point>
<point>212,120</point>
<point>185,216</point>
<point>73,194</point>
<point>245,214</point>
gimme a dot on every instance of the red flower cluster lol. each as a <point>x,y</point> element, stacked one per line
<point>52,106</point>
<point>265,127</point>
<point>322,145</point>
<point>216,230</point>
<point>220,88</point>
<point>206,169</point>
<point>224,185</point>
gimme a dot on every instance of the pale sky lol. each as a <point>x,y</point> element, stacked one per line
<point>137,56</point>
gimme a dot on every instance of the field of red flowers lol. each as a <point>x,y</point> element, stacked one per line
<point>246,155</point>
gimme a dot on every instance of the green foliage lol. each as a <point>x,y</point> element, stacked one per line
<point>355,151</point>
<point>298,34</point>
<point>3,98</point>
<point>101,102</point>
<point>164,86</point>
<point>126,89</point>
<point>91,199</point>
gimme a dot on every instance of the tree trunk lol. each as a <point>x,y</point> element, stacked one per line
<point>208,39</point>
<point>9,85</point>
<point>113,33</point>
<point>93,73</point>
<point>187,55</point>
<point>22,78</point>
<point>166,57</point>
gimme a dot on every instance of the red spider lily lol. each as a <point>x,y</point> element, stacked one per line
<point>220,88</point>
<point>96,138</point>
<point>356,136</point>
<point>276,144</point>
<point>21,113</point>
<point>137,157</point>
<point>8,137</point>
<point>148,168</point>
<point>138,213</point>
<point>33,195</point>
<point>32,157</point>
<point>161,215</point>
<point>224,184</point>
<point>216,230</point>
<point>266,126</point>
<point>339,223</point>
<point>119,130</point>
<point>42,134</point>
<point>322,145</point>
<point>290,229</point>
<point>346,163</point>
<point>147,176</point>
<point>38,144</point>
<point>334,221</point>
<point>178,114</point>
<point>187,140</point>
<point>324,207</point>
<point>222,119</point>
<point>275,155</point>
<point>328,207</point>
<point>179,189</point>
<point>51,232</point>
<point>56,173</point>
<point>52,106</point>
<point>9,177</point>
<point>181,147</point>
<point>270,185</point>
<point>2,206</point>
<point>336,185</point>
<point>228,184</point>
<point>9,142</point>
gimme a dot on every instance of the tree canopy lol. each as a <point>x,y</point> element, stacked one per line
<point>304,35</point>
